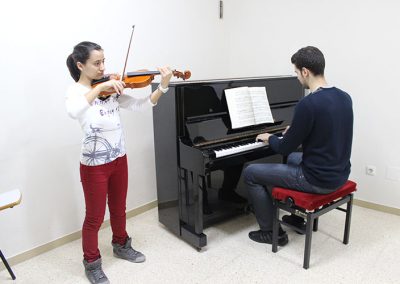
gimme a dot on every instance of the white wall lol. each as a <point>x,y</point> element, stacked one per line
<point>40,144</point>
<point>360,41</point>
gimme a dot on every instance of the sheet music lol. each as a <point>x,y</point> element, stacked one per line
<point>248,106</point>
<point>260,103</point>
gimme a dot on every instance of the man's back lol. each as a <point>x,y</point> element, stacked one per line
<point>323,126</point>
<point>327,147</point>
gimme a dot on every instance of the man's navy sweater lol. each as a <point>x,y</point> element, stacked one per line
<point>323,125</point>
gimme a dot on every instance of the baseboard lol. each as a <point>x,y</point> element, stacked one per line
<point>377,207</point>
<point>69,238</point>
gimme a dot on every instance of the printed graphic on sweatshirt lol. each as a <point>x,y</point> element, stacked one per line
<point>97,150</point>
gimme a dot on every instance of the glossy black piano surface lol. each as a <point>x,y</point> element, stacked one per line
<point>191,126</point>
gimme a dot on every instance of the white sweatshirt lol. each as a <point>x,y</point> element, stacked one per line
<point>100,121</point>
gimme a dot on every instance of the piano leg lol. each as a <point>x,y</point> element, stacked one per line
<point>208,180</point>
<point>198,190</point>
<point>192,223</point>
<point>206,207</point>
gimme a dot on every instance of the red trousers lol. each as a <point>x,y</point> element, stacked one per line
<point>99,182</point>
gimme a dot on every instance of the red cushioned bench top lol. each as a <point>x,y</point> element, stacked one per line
<point>311,201</point>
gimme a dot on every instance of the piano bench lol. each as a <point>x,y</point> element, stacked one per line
<point>310,206</point>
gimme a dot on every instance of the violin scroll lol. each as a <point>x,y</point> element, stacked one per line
<point>184,76</point>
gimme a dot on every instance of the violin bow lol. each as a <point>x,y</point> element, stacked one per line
<point>127,54</point>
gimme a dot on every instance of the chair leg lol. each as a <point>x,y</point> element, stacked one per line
<point>348,220</point>
<point>7,266</point>
<point>275,227</point>
<point>315,226</point>
<point>307,248</point>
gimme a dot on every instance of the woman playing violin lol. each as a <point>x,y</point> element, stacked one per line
<point>103,162</point>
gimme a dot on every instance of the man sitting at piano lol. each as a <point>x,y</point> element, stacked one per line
<point>323,125</point>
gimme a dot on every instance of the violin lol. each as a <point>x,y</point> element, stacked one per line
<point>137,79</point>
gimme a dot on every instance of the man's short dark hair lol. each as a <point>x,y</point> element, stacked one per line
<point>311,58</point>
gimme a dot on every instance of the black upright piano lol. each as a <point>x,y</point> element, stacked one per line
<point>194,142</point>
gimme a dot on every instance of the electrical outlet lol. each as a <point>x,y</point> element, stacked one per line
<point>370,170</point>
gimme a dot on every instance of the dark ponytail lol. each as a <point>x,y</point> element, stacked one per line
<point>80,54</point>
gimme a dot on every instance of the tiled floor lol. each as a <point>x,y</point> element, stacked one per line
<point>372,255</point>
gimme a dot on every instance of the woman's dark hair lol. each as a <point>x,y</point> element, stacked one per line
<point>311,58</point>
<point>80,54</point>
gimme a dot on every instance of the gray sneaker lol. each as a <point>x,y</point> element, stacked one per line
<point>94,272</point>
<point>127,252</point>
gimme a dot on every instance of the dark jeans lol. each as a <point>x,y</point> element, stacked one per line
<point>102,183</point>
<point>261,178</point>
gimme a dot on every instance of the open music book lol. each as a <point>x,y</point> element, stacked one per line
<point>248,106</point>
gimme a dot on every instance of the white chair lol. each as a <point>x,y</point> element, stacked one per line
<point>9,199</point>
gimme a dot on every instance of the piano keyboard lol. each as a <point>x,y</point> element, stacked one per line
<point>226,151</point>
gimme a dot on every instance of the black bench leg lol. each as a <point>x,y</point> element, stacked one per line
<point>275,227</point>
<point>307,248</point>
<point>315,226</point>
<point>348,220</point>
<point>7,266</point>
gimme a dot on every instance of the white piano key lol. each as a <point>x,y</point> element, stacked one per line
<point>238,149</point>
